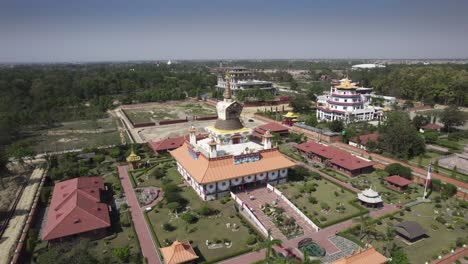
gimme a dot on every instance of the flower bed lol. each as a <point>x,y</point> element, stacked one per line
<point>287,225</point>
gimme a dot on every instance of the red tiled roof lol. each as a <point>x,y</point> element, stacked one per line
<point>171,143</point>
<point>335,155</point>
<point>75,208</point>
<point>398,180</point>
<point>365,256</point>
<point>432,126</point>
<point>205,170</point>
<point>365,138</point>
<point>273,127</point>
<point>178,252</point>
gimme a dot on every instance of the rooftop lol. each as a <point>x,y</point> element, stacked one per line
<point>398,180</point>
<point>410,229</point>
<point>205,170</point>
<point>76,208</point>
<point>172,143</point>
<point>366,138</point>
<point>178,252</point>
<point>432,126</point>
<point>365,256</point>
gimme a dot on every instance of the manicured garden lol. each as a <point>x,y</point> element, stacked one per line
<point>287,225</point>
<point>442,219</point>
<point>322,201</point>
<point>214,228</point>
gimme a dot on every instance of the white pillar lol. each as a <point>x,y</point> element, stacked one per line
<point>267,140</point>
<point>213,152</point>
<point>192,135</point>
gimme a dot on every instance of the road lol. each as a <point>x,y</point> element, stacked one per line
<point>148,247</point>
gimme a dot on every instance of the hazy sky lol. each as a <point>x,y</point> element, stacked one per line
<point>96,30</point>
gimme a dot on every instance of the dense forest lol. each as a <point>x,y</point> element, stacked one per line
<point>41,95</point>
<point>429,84</point>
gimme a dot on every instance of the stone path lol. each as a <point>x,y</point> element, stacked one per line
<point>148,247</point>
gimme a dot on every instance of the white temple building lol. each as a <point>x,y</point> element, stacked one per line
<point>243,79</point>
<point>349,103</point>
<point>228,160</point>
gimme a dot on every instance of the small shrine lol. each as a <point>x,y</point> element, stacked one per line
<point>133,160</point>
<point>370,198</point>
<point>290,118</point>
<point>178,252</point>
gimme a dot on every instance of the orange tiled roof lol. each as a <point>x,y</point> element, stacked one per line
<point>366,256</point>
<point>178,252</point>
<point>205,170</point>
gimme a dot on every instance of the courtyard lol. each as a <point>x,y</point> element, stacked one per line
<point>443,221</point>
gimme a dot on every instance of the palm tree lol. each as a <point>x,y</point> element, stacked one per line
<point>365,222</point>
<point>389,236</point>
<point>268,245</point>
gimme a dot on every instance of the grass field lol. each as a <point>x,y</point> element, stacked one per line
<point>326,192</point>
<point>206,228</point>
<point>428,157</point>
<point>441,238</point>
<point>144,179</point>
<point>169,110</point>
<point>75,135</point>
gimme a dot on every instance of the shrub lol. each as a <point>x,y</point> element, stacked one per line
<point>298,173</point>
<point>168,227</point>
<point>122,253</point>
<point>205,210</point>
<point>323,218</point>
<point>313,200</point>
<point>398,169</point>
<point>98,158</point>
<point>460,241</point>
<point>324,206</point>
<point>441,220</point>
<point>125,219</point>
<point>251,240</point>
<point>189,218</point>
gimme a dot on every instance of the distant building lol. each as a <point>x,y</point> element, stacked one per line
<point>242,79</point>
<point>336,158</point>
<point>367,66</point>
<point>273,127</point>
<point>228,159</point>
<point>362,140</point>
<point>365,256</point>
<point>350,103</point>
<point>76,208</point>
<point>166,145</point>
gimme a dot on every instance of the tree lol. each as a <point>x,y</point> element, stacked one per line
<point>300,104</point>
<point>268,244</point>
<point>189,218</point>
<point>420,121</point>
<point>399,256</point>
<point>122,254</point>
<point>431,136</point>
<point>20,150</point>
<point>298,173</point>
<point>452,116</point>
<point>174,206</point>
<point>398,169</point>
<point>399,137</point>
<point>336,126</point>
<point>311,120</point>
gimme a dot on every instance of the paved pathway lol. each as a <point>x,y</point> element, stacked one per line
<point>250,257</point>
<point>148,248</point>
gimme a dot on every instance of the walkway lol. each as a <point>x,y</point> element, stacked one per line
<point>250,257</point>
<point>263,196</point>
<point>148,248</point>
<point>22,212</point>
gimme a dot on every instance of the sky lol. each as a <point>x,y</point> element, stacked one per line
<point>123,30</point>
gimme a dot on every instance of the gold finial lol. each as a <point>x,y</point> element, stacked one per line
<point>227,90</point>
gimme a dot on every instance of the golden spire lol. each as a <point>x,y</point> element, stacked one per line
<point>227,90</point>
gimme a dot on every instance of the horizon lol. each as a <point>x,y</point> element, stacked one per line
<point>55,31</point>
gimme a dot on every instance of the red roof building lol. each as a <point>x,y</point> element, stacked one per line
<point>397,182</point>
<point>166,145</point>
<point>76,208</point>
<point>273,127</point>
<point>339,159</point>
<point>363,140</point>
<point>435,127</point>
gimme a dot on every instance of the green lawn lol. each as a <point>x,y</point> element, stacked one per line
<point>143,178</point>
<point>326,192</point>
<point>206,228</point>
<point>442,239</point>
<point>198,109</point>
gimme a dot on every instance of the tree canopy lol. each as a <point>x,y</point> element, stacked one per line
<point>399,137</point>
<point>452,116</point>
